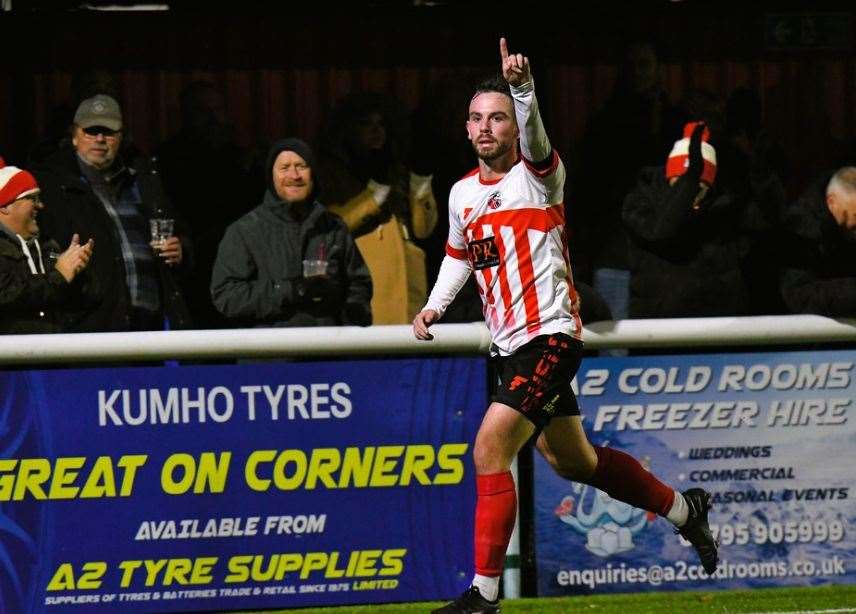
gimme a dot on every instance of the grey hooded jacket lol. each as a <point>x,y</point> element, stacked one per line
<point>258,275</point>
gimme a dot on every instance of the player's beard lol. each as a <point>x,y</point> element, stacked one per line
<point>496,151</point>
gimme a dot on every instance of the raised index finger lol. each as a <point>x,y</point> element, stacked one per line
<point>503,49</point>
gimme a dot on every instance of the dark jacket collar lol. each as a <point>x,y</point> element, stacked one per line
<point>9,244</point>
<point>66,163</point>
<point>8,234</point>
<point>285,211</point>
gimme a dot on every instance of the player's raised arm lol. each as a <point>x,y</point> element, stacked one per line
<point>534,144</point>
<point>515,66</point>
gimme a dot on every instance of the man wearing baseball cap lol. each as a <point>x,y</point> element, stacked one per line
<point>33,289</point>
<point>94,193</point>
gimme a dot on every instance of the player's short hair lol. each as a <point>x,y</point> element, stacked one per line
<point>844,181</point>
<point>495,83</point>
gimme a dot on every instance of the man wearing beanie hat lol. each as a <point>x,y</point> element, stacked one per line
<point>95,194</point>
<point>289,262</point>
<point>695,225</point>
<point>33,291</point>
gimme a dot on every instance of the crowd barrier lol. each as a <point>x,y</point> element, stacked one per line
<point>299,483</point>
<point>376,340</point>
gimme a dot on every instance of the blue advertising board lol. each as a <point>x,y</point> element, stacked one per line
<point>770,435</point>
<point>233,487</point>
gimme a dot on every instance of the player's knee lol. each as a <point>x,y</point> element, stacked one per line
<point>578,469</point>
<point>489,458</point>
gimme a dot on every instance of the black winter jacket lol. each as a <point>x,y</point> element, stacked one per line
<point>71,206</point>
<point>697,263</point>
<point>819,270</point>
<point>34,303</point>
<point>258,275</point>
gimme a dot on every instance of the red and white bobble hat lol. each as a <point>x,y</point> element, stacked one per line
<point>679,159</point>
<point>15,183</point>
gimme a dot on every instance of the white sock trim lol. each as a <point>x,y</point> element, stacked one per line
<point>488,587</point>
<point>679,512</point>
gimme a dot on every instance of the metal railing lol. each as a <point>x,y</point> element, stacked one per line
<point>380,340</point>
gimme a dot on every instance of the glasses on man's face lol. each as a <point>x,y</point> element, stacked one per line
<point>35,198</point>
<point>95,131</point>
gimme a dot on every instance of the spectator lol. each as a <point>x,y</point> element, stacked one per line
<point>289,262</point>
<point>94,193</point>
<point>819,274</point>
<point>84,84</point>
<point>368,184</point>
<point>635,129</point>
<point>440,148</point>
<point>744,119</point>
<point>693,225</point>
<point>33,291</point>
<point>205,147</point>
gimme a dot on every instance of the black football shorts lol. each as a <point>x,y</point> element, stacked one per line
<point>536,379</point>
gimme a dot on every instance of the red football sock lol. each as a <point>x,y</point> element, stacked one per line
<point>496,509</point>
<point>622,477</point>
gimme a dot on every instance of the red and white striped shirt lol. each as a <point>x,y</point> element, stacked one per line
<point>511,234</point>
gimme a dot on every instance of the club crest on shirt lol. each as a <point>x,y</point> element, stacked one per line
<point>483,253</point>
<point>494,201</point>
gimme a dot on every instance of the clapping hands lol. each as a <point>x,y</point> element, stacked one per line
<point>74,259</point>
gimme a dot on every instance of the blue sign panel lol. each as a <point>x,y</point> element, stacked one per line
<point>771,436</point>
<point>235,487</point>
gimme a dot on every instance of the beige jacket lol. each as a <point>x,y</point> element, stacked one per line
<point>397,265</point>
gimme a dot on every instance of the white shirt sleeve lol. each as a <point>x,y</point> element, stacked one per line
<point>455,268</point>
<point>535,146</point>
<point>451,278</point>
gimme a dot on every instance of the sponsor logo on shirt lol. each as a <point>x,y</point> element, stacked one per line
<point>483,253</point>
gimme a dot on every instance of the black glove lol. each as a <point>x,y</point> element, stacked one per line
<point>696,160</point>
<point>315,290</point>
<point>356,314</point>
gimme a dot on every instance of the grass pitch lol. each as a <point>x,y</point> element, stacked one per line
<point>831,599</point>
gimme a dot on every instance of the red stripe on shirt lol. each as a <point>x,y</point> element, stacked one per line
<point>502,274</point>
<point>527,280</point>
<point>532,218</point>
<point>566,252</point>
<point>569,279</point>
<point>454,252</point>
<point>541,173</point>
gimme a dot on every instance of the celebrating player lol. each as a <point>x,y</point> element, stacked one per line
<point>506,225</point>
